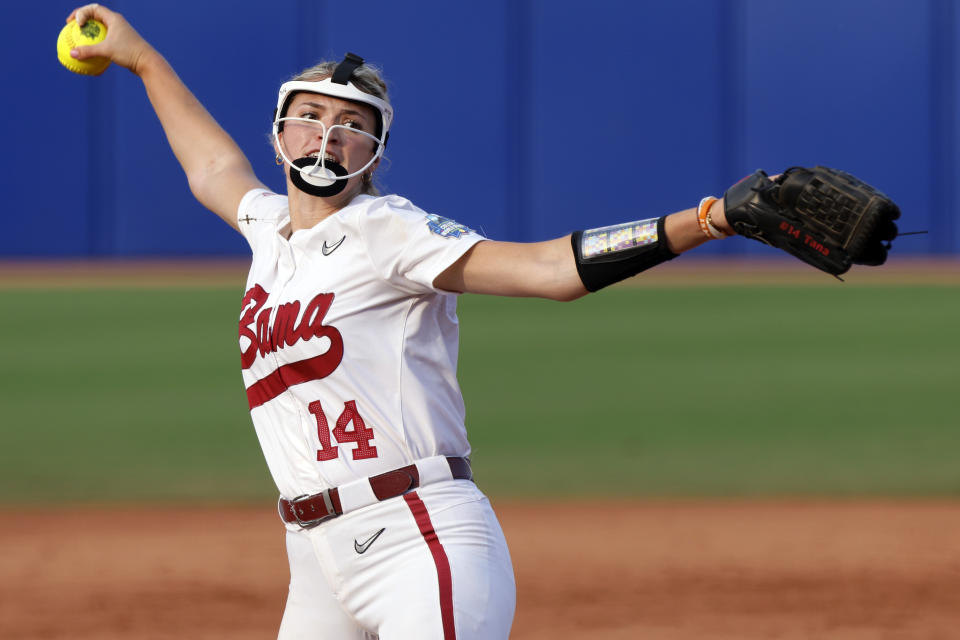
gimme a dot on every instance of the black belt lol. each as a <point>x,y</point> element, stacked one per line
<point>309,511</point>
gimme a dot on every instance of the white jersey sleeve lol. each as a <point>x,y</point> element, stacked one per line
<point>260,206</point>
<point>409,247</point>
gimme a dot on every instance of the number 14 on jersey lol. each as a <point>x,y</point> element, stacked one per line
<point>360,433</point>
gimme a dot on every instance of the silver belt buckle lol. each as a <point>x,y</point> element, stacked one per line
<point>312,522</point>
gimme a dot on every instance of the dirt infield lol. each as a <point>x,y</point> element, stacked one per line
<point>670,571</point>
<point>30,274</point>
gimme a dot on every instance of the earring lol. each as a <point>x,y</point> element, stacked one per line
<point>279,160</point>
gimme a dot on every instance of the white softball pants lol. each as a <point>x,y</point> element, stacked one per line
<point>439,570</point>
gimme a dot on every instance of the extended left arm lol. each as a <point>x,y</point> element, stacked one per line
<point>549,269</point>
<point>825,217</point>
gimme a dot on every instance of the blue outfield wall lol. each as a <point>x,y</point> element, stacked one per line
<point>524,119</point>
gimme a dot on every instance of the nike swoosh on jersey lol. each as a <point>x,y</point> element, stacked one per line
<point>362,547</point>
<point>327,250</point>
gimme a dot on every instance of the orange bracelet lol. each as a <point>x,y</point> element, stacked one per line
<point>710,225</point>
<point>703,213</point>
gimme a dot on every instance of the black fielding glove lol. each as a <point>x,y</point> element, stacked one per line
<point>825,217</point>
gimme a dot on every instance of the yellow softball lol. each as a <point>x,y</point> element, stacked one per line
<point>73,35</point>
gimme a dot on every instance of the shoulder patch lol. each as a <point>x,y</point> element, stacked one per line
<point>446,227</point>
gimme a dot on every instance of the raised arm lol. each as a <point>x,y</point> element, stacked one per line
<point>549,269</point>
<point>217,170</point>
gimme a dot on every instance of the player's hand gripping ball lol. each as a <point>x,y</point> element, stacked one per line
<point>73,35</point>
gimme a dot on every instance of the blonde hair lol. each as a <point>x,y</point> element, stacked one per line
<point>367,78</point>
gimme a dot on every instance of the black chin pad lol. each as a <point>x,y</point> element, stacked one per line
<point>325,191</point>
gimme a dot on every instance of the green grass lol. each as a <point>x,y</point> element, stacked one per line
<point>112,394</point>
<point>719,391</point>
<point>109,395</point>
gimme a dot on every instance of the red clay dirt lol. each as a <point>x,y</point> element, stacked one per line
<point>600,570</point>
<point>693,271</point>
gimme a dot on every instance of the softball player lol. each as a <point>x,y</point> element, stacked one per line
<point>348,337</point>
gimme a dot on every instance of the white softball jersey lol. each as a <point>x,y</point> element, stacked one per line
<point>348,351</point>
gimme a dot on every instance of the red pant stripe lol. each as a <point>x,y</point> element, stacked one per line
<point>420,514</point>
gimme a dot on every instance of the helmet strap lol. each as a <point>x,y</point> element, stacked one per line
<point>344,71</point>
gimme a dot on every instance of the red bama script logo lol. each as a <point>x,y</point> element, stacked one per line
<point>288,327</point>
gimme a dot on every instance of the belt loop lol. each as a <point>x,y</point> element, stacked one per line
<point>434,469</point>
<point>328,503</point>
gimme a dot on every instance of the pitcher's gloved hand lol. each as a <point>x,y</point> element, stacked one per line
<point>826,217</point>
